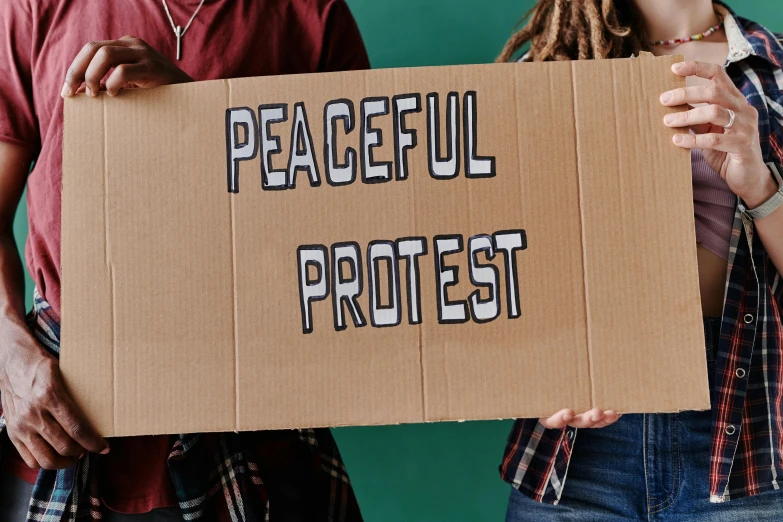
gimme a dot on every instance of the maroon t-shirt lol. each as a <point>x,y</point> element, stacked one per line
<point>227,39</point>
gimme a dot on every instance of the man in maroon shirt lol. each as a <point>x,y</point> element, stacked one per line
<point>290,475</point>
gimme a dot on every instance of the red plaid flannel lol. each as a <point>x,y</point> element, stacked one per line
<point>747,448</point>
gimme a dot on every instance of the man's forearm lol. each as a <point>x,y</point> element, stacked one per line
<point>14,166</point>
<point>12,307</point>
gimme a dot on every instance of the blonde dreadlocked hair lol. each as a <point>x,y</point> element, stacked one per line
<point>579,30</point>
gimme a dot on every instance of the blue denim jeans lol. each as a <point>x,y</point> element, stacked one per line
<point>646,467</point>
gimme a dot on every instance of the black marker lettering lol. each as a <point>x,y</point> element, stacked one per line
<point>391,314</point>
<point>338,173</point>
<point>509,242</point>
<point>270,145</point>
<point>483,276</point>
<point>237,150</point>
<point>404,138</point>
<point>411,248</point>
<point>475,166</point>
<point>311,290</point>
<point>448,311</point>
<point>443,167</point>
<point>346,290</point>
<point>373,171</point>
<point>302,156</point>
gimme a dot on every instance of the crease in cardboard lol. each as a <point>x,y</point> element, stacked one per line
<point>643,95</point>
<point>396,73</point>
<point>519,131</point>
<point>424,414</point>
<point>447,376</point>
<point>618,159</point>
<point>584,240</point>
<point>420,327</point>
<point>234,315</point>
<point>109,264</point>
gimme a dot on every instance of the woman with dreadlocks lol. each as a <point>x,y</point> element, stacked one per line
<point>722,464</point>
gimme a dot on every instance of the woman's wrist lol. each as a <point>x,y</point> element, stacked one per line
<point>760,192</point>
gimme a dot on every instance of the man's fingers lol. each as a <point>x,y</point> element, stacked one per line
<point>27,457</point>
<point>76,72</point>
<point>54,434</point>
<point>45,455</point>
<point>712,141</point>
<point>559,420</point>
<point>105,59</point>
<point>714,114</point>
<point>124,74</point>
<point>76,426</point>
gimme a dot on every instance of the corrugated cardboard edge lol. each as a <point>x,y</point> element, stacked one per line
<point>110,268</point>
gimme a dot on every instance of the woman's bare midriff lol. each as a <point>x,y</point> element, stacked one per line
<point>712,282</point>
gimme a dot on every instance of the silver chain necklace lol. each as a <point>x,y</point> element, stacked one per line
<point>179,32</point>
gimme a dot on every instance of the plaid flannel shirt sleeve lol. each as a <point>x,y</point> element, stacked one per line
<point>775,279</point>
<point>536,459</point>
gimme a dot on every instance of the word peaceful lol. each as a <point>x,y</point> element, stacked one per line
<point>340,166</point>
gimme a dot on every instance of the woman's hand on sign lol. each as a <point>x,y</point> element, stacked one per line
<point>734,152</point>
<point>125,63</point>
<point>43,422</point>
<point>594,418</point>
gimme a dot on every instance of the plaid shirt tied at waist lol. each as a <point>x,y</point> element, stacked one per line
<point>214,480</point>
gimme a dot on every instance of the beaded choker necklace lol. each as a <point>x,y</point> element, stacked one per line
<point>693,38</point>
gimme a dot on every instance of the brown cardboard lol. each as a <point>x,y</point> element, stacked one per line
<point>181,304</point>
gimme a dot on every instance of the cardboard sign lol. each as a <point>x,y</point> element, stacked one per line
<point>380,247</point>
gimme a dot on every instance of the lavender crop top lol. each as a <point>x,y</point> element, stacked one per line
<point>714,204</point>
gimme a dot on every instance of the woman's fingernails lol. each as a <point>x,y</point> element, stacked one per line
<point>568,417</point>
<point>678,139</point>
<point>666,97</point>
<point>88,91</point>
<point>669,119</point>
<point>66,91</point>
<point>677,67</point>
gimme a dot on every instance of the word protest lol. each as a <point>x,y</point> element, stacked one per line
<point>388,312</point>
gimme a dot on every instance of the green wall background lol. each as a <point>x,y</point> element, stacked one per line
<point>438,472</point>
